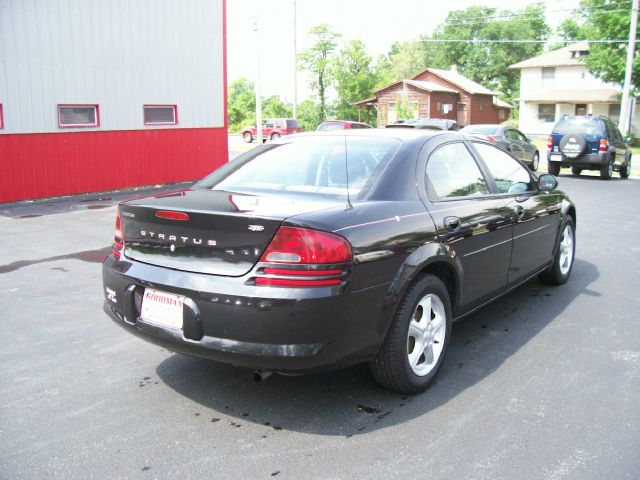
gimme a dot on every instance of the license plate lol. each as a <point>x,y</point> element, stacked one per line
<point>162,309</point>
<point>556,158</point>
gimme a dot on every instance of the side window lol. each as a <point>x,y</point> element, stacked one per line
<point>452,173</point>
<point>520,136</point>
<point>511,134</point>
<point>509,175</point>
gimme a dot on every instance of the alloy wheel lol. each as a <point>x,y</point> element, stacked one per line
<point>566,250</point>
<point>426,335</point>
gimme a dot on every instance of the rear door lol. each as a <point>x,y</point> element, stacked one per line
<point>528,149</point>
<point>535,215</point>
<point>472,222</point>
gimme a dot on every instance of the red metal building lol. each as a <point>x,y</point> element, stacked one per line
<point>96,97</point>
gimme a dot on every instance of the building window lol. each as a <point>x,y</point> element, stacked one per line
<point>70,116</point>
<point>160,115</point>
<point>501,114</point>
<point>481,107</point>
<point>548,73</point>
<point>614,111</point>
<point>1,117</point>
<point>414,108</point>
<point>462,107</point>
<point>546,112</point>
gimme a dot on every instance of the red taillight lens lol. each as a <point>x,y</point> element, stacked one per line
<point>604,145</point>
<point>491,139</point>
<point>308,259</point>
<point>118,239</point>
<point>303,245</point>
<point>550,143</point>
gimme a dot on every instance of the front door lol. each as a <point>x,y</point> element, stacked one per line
<point>535,215</point>
<point>475,225</point>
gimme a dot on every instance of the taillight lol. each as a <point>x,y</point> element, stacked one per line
<point>550,143</point>
<point>118,239</point>
<point>604,145</point>
<point>491,139</point>
<point>305,258</point>
<point>304,245</point>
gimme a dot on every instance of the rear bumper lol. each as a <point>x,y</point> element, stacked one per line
<point>281,329</point>
<point>587,161</point>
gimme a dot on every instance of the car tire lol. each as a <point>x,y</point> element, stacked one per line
<point>275,136</point>
<point>247,137</point>
<point>416,344</point>
<point>576,170</point>
<point>626,170</point>
<point>535,162</point>
<point>560,270</point>
<point>554,168</point>
<point>606,171</point>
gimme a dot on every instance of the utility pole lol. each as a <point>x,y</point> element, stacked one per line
<point>625,107</point>
<point>295,61</point>
<point>256,28</point>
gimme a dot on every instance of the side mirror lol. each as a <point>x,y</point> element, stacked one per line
<point>547,182</point>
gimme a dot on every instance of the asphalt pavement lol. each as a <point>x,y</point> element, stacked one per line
<point>542,384</point>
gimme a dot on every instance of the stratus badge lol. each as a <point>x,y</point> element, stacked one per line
<point>256,228</point>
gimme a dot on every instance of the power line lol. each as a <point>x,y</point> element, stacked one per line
<point>484,18</point>
<point>489,40</point>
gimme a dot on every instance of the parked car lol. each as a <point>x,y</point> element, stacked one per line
<point>272,128</point>
<point>588,143</point>
<point>509,138</point>
<point>427,123</point>
<point>321,251</point>
<point>329,125</point>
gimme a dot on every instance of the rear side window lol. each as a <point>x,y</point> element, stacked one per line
<point>293,124</point>
<point>587,126</point>
<point>309,166</point>
<point>330,126</point>
<point>509,175</point>
<point>452,173</point>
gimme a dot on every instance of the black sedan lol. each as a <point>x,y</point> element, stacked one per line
<point>512,140</point>
<point>320,251</point>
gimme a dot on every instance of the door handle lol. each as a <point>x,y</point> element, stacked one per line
<point>452,224</point>
<point>519,211</point>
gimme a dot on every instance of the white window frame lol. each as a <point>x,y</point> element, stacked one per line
<point>157,106</point>
<point>96,116</point>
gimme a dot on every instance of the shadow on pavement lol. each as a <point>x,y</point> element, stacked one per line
<point>348,402</point>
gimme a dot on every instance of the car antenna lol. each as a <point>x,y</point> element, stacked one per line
<point>346,167</point>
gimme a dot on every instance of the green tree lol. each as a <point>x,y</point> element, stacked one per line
<point>275,107</point>
<point>355,79</point>
<point>317,61</point>
<point>487,62</point>
<point>241,104</point>
<point>308,113</point>
<point>404,60</point>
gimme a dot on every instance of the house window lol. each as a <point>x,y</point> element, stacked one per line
<point>70,116</point>
<point>481,107</point>
<point>548,73</point>
<point>614,111</point>
<point>1,117</point>
<point>462,107</point>
<point>160,115</point>
<point>501,114</point>
<point>546,112</point>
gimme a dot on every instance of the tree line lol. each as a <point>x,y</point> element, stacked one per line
<point>481,41</point>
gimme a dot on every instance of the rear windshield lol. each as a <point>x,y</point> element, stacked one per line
<point>315,166</point>
<point>586,126</point>
<point>293,124</point>
<point>482,129</point>
<point>326,126</point>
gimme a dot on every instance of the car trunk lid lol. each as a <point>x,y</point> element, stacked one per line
<point>206,231</point>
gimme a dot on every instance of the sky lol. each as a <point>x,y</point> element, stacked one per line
<point>378,23</point>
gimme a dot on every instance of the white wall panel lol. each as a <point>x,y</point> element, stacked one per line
<point>120,54</point>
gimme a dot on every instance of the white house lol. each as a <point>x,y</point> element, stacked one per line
<point>558,83</point>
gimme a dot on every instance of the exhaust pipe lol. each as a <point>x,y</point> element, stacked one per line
<point>261,375</point>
